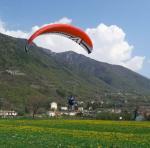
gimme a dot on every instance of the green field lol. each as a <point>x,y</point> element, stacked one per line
<point>74,134</point>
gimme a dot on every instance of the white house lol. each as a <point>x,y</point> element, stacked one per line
<point>6,113</point>
<point>72,113</point>
<point>64,108</point>
<point>90,108</point>
<point>51,113</point>
<point>80,109</point>
<point>53,106</point>
<point>117,111</point>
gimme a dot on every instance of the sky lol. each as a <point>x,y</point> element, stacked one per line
<point>119,29</point>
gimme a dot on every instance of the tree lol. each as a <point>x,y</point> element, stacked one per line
<point>1,103</point>
<point>35,103</point>
<point>6,104</point>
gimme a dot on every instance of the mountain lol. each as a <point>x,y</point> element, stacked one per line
<point>114,76</point>
<point>57,75</point>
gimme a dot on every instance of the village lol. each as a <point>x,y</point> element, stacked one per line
<point>90,110</point>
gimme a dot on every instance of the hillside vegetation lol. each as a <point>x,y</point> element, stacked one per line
<point>57,75</point>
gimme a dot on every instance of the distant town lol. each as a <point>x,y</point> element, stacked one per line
<point>80,109</point>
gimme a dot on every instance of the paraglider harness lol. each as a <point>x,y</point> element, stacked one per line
<point>72,103</point>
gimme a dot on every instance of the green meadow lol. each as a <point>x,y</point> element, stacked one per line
<point>73,134</point>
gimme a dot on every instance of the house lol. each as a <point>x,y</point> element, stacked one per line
<point>80,109</point>
<point>90,108</point>
<point>7,113</point>
<point>117,111</point>
<point>53,106</point>
<point>72,113</point>
<point>64,113</point>
<point>51,113</point>
<point>64,108</point>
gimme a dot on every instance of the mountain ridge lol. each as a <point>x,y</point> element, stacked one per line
<point>58,75</point>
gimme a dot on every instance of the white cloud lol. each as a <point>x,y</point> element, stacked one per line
<point>22,34</point>
<point>110,44</point>
<point>14,33</point>
<point>65,20</point>
<point>2,27</point>
<point>134,63</point>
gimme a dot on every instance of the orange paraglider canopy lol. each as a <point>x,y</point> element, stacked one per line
<point>68,31</point>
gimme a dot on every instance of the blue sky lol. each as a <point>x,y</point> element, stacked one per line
<point>131,16</point>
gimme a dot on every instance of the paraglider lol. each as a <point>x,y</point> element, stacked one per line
<point>72,104</point>
<point>71,100</point>
<point>69,31</point>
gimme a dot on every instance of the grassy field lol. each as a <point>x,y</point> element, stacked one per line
<point>74,134</point>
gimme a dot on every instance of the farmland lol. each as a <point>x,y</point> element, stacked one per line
<point>74,133</point>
